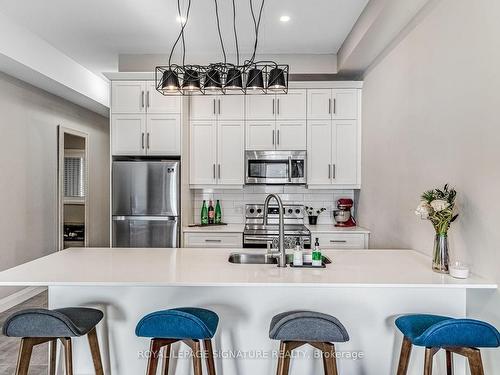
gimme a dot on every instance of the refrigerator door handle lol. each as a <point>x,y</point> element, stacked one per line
<point>145,218</point>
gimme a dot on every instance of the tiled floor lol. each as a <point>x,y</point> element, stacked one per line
<point>9,346</point>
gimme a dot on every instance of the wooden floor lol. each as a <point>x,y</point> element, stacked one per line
<point>9,346</point>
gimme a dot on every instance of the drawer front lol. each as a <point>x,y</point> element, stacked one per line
<point>340,240</point>
<point>234,240</point>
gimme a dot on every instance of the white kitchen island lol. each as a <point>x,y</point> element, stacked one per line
<point>365,289</point>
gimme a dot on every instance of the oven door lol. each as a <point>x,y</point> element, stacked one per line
<point>275,167</point>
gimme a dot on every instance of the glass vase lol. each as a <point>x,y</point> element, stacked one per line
<point>441,257</point>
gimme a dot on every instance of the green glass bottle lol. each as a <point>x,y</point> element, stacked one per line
<point>204,213</point>
<point>218,213</point>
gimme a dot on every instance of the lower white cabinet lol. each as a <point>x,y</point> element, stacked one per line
<point>342,240</point>
<point>217,153</point>
<point>224,240</point>
<point>333,154</point>
<point>141,134</point>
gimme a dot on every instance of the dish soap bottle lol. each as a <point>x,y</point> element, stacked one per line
<point>297,254</point>
<point>218,213</point>
<point>316,255</point>
<point>204,213</point>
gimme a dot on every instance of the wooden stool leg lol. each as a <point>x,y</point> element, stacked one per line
<point>475,362</point>
<point>166,359</point>
<point>94,349</point>
<point>284,358</point>
<point>404,356</point>
<point>154,352</point>
<point>429,355</point>
<point>68,355</point>
<point>196,348</point>
<point>209,352</point>
<point>449,363</point>
<point>52,359</point>
<point>23,361</point>
<point>329,360</point>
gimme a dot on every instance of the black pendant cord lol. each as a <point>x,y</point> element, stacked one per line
<point>181,34</point>
<point>236,35</point>
<point>256,23</point>
<point>218,29</point>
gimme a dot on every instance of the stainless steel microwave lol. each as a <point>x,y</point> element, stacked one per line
<point>275,167</point>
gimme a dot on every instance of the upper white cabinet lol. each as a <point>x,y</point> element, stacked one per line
<point>216,153</point>
<point>333,155</point>
<point>291,106</point>
<point>211,107</point>
<point>158,103</point>
<point>128,97</point>
<point>144,122</point>
<point>145,134</point>
<point>341,104</point>
<point>128,134</point>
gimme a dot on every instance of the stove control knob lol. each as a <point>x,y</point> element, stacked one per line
<point>290,211</point>
<point>297,211</point>
<point>259,211</point>
<point>252,210</point>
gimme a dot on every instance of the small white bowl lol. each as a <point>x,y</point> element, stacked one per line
<point>459,270</point>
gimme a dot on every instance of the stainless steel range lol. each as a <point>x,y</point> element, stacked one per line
<point>258,234</point>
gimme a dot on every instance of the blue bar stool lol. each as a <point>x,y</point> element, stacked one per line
<point>38,326</point>
<point>434,332</point>
<point>297,328</point>
<point>189,325</point>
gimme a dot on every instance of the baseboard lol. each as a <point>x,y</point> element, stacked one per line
<point>19,297</point>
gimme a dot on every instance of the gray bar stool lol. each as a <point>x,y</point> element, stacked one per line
<point>38,326</point>
<point>297,328</point>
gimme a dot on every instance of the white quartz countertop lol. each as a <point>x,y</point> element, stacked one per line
<point>239,228</point>
<point>331,228</point>
<point>229,228</point>
<point>210,267</point>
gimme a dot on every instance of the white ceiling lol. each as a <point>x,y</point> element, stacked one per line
<point>95,32</point>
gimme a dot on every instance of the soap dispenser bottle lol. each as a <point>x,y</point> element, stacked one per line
<point>297,254</point>
<point>317,259</point>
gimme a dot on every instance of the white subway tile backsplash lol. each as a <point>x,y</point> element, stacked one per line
<point>233,201</point>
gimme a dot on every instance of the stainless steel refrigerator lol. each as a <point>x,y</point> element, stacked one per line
<point>146,203</point>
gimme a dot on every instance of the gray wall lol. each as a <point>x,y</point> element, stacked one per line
<point>431,116</point>
<point>28,171</point>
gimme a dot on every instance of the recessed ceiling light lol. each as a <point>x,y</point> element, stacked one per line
<point>181,19</point>
<point>285,18</point>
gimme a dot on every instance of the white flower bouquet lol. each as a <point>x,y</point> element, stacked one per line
<point>438,206</point>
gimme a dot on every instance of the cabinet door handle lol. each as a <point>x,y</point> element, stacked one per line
<point>147,100</point>
<point>214,171</point>
<point>329,106</point>
<point>278,136</point>
<point>278,106</point>
<point>142,99</point>
<point>273,106</point>
<point>218,167</point>
<point>338,241</point>
<point>142,141</point>
<point>334,172</point>
<point>219,106</point>
<point>273,135</point>
<point>334,106</point>
<point>208,240</point>
<point>147,141</point>
<point>289,168</point>
<point>214,105</point>
<point>329,171</point>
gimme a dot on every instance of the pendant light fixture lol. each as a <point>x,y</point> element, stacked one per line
<point>255,77</point>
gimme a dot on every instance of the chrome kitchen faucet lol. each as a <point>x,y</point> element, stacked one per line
<point>282,252</point>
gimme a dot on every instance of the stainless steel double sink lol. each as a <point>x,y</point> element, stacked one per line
<point>256,258</point>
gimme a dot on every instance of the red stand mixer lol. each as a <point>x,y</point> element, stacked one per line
<point>343,215</point>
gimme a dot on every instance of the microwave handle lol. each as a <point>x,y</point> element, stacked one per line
<point>289,169</point>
